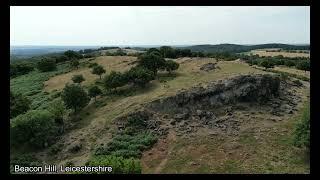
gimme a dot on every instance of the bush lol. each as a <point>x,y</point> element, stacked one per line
<point>98,70</point>
<point>114,80</point>
<point>171,66</point>
<point>139,76</point>
<point>36,128</point>
<point>46,65</point>
<point>74,96</point>
<point>303,65</point>
<point>74,64</point>
<point>128,145</point>
<point>94,91</point>
<point>91,65</point>
<point>289,63</point>
<point>266,64</point>
<point>18,104</point>
<point>78,78</point>
<point>152,62</point>
<point>119,165</point>
<point>72,55</point>
<point>302,129</point>
<point>17,69</point>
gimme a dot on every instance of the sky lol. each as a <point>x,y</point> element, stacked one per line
<point>163,25</point>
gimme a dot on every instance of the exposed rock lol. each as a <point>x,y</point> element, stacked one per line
<point>208,67</point>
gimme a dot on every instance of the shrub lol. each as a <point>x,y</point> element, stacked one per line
<point>266,64</point>
<point>152,62</point>
<point>139,76</point>
<point>58,110</point>
<point>289,63</point>
<point>114,80</point>
<point>171,66</point>
<point>74,64</point>
<point>119,165</point>
<point>17,69</point>
<point>94,91</point>
<point>72,55</point>
<point>78,78</point>
<point>91,65</point>
<point>18,104</point>
<point>98,70</point>
<point>302,129</point>
<point>45,65</point>
<point>74,96</point>
<point>303,65</point>
<point>128,145</point>
<point>36,128</point>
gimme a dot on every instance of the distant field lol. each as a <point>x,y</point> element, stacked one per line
<point>263,52</point>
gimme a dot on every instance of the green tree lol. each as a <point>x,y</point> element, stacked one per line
<point>152,61</point>
<point>303,65</point>
<point>46,64</point>
<point>74,96</point>
<point>94,91</point>
<point>171,66</point>
<point>114,80</point>
<point>78,78</point>
<point>18,104</point>
<point>98,70</point>
<point>36,128</point>
<point>139,76</point>
<point>266,64</point>
<point>167,52</point>
<point>58,110</point>
<point>72,55</point>
<point>74,64</point>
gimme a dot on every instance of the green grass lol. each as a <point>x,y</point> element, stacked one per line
<point>31,85</point>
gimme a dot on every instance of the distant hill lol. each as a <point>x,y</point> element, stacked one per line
<point>235,48</point>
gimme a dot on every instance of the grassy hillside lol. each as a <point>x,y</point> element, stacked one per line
<point>94,125</point>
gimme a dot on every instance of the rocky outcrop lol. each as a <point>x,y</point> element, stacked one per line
<point>244,88</point>
<point>215,106</point>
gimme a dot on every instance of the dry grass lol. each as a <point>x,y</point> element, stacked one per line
<point>285,54</point>
<point>116,63</point>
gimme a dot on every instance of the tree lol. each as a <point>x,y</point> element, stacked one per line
<point>78,78</point>
<point>152,61</point>
<point>72,55</point>
<point>266,64</point>
<point>98,70</point>
<point>36,128</point>
<point>94,91</point>
<point>74,96</point>
<point>21,68</point>
<point>74,64</point>
<point>45,65</point>
<point>303,65</point>
<point>171,66</point>
<point>114,80</point>
<point>18,104</point>
<point>139,76</point>
<point>167,52</point>
<point>62,58</point>
<point>58,110</point>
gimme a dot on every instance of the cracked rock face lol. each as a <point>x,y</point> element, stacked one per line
<point>213,107</point>
<point>245,88</point>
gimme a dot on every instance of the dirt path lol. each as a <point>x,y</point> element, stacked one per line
<point>170,139</point>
